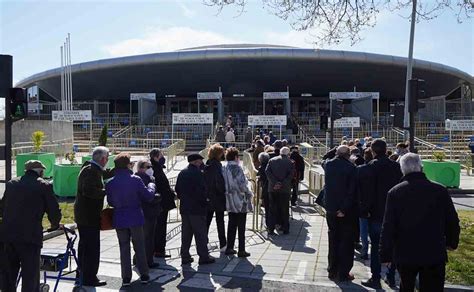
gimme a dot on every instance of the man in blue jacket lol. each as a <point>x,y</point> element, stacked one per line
<point>191,191</point>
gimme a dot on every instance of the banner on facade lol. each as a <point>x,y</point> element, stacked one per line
<point>62,116</point>
<point>459,125</point>
<point>193,118</point>
<point>353,95</point>
<point>209,95</point>
<point>346,122</point>
<point>138,96</point>
<point>276,95</point>
<point>267,120</point>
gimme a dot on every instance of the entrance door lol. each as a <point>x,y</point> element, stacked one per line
<point>275,107</point>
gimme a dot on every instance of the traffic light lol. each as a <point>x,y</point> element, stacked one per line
<point>417,92</point>
<point>323,122</point>
<point>18,104</point>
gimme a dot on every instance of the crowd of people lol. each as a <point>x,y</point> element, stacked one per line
<point>370,193</point>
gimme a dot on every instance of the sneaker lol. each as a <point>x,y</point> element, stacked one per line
<point>154,266</point>
<point>126,282</point>
<point>243,254</point>
<point>230,252</point>
<point>144,279</point>
<point>372,283</point>
<point>208,260</point>
<point>186,261</point>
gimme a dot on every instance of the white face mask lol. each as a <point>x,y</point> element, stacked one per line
<point>149,171</point>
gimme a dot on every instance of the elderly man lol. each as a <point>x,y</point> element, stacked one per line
<point>341,214</point>
<point>191,190</point>
<point>280,171</point>
<point>24,204</point>
<point>420,223</point>
<point>87,208</point>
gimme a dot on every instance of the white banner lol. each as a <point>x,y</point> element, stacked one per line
<point>72,115</point>
<point>137,96</point>
<point>459,125</point>
<point>267,120</point>
<point>276,95</point>
<point>347,122</point>
<point>193,118</point>
<point>353,95</point>
<point>209,95</point>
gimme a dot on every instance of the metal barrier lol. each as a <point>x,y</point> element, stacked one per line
<point>315,185</point>
<point>59,147</point>
<point>173,151</point>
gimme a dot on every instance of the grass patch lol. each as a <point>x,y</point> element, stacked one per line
<point>67,210</point>
<point>460,267</point>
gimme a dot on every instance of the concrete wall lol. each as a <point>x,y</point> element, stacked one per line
<point>22,130</point>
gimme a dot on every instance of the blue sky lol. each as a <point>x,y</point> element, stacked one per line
<point>32,31</point>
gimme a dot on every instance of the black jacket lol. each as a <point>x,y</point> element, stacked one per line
<point>151,209</point>
<point>420,223</point>
<point>263,179</point>
<point>215,185</point>
<point>191,190</point>
<point>299,164</point>
<point>163,187</point>
<point>24,203</point>
<point>340,192</point>
<point>90,194</point>
<point>382,175</point>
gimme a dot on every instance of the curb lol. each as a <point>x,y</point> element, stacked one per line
<point>58,232</point>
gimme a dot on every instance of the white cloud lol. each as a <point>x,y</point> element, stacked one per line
<point>167,39</point>
<point>187,12</point>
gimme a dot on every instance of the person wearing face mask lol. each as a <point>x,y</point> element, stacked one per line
<point>24,204</point>
<point>167,202</point>
<point>151,210</point>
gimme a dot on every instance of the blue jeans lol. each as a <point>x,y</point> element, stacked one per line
<point>364,235</point>
<point>375,229</point>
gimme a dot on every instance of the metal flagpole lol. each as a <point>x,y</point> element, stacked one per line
<point>70,70</point>
<point>62,78</point>
<point>66,83</point>
<point>406,120</point>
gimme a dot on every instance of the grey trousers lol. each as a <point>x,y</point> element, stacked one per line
<point>136,234</point>
<point>194,225</point>
<point>149,232</point>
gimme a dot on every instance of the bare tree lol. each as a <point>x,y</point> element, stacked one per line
<point>333,21</point>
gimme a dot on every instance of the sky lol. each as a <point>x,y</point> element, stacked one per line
<point>33,31</point>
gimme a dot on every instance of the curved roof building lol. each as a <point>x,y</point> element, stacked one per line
<point>243,73</point>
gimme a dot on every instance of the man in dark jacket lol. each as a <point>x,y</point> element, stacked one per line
<point>420,223</point>
<point>341,214</point>
<point>87,207</point>
<point>220,135</point>
<point>299,167</point>
<point>167,202</point>
<point>24,203</point>
<point>383,175</point>
<point>191,190</point>
<point>216,191</point>
<point>248,137</point>
<point>280,171</point>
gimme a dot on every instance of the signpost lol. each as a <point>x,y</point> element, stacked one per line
<point>457,125</point>
<point>270,120</point>
<point>191,118</point>
<point>71,116</point>
<point>348,122</point>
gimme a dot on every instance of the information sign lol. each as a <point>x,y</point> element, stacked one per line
<point>276,95</point>
<point>72,115</point>
<point>267,120</point>
<point>193,118</point>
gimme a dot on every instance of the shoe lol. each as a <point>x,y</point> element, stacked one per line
<point>272,233</point>
<point>347,278</point>
<point>391,283</point>
<point>208,260</point>
<point>230,252</point>
<point>186,261</point>
<point>243,254</point>
<point>332,276</point>
<point>358,246</point>
<point>126,283</point>
<point>96,283</point>
<point>154,266</point>
<point>372,283</point>
<point>161,255</point>
<point>293,204</point>
<point>144,279</point>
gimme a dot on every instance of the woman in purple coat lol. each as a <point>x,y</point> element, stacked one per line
<point>126,193</point>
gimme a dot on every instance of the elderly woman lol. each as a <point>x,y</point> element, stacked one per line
<point>216,191</point>
<point>126,193</point>
<point>151,210</point>
<point>238,201</point>
<point>263,159</point>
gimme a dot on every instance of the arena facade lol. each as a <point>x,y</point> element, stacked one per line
<point>243,73</point>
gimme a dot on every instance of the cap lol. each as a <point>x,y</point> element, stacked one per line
<point>33,164</point>
<point>194,156</point>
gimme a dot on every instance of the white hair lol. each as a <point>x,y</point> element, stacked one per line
<point>410,162</point>
<point>99,152</point>
<point>285,151</point>
<point>343,151</point>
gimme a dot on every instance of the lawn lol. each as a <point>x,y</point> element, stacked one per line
<point>67,210</point>
<point>460,268</point>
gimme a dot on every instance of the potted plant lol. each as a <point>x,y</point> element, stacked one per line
<point>102,142</point>
<point>445,172</point>
<point>48,159</point>
<point>65,176</point>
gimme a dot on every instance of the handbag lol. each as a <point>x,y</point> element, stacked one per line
<point>106,218</point>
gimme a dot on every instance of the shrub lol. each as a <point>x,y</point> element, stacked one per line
<point>38,140</point>
<point>439,156</point>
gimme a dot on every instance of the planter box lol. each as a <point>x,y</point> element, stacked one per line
<point>65,179</point>
<point>48,159</point>
<point>110,163</point>
<point>447,173</point>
